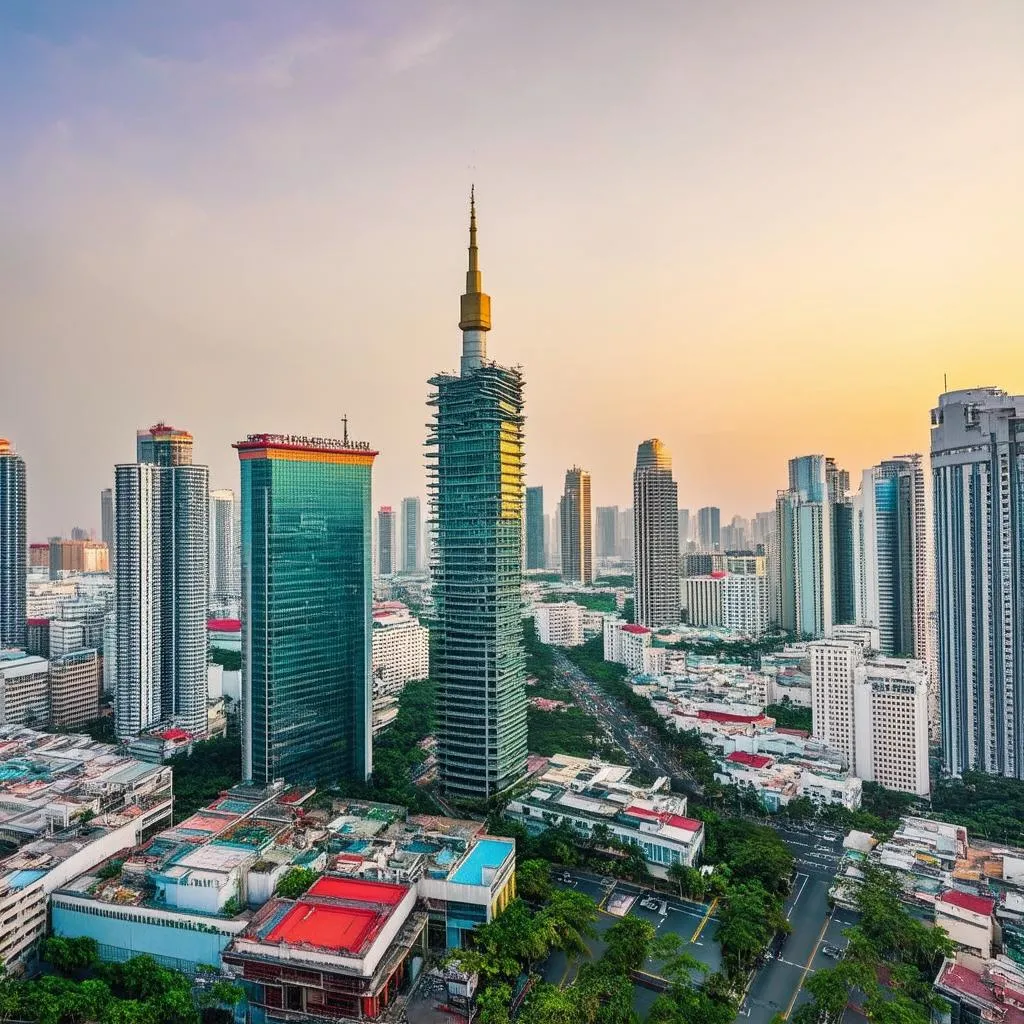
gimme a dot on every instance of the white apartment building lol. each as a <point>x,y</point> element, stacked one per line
<point>24,688</point>
<point>400,653</point>
<point>560,624</point>
<point>630,645</point>
<point>745,600</point>
<point>704,598</point>
<point>874,711</point>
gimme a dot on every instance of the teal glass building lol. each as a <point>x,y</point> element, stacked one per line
<point>306,593</point>
<point>476,496</point>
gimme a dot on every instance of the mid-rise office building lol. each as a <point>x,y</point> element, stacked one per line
<point>13,547</point>
<point>226,549</point>
<point>704,599</point>
<point>412,531</point>
<point>385,540</point>
<point>161,584</point>
<point>477,655</point>
<point>306,594</point>
<point>74,689</point>
<point>608,531</point>
<point>977,452</point>
<point>536,527</point>
<point>24,689</point>
<point>874,710</point>
<point>655,537</point>
<point>709,528</point>
<point>576,525</point>
<point>891,563</point>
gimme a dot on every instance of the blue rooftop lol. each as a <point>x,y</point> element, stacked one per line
<point>488,853</point>
<point>24,878</point>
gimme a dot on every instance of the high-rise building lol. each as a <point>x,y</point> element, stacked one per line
<point>891,559</point>
<point>709,528</point>
<point>161,583</point>
<point>977,452</point>
<point>385,540</point>
<point>13,548</point>
<point>107,519</point>
<point>576,523</point>
<point>735,536</point>
<point>803,550</point>
<point>412,529</point>
<point>656,537</point>
<point>607,531</point>
<point>477,656</point>
<point>626,535</point>
<point>306,594</point>
<point>684,530</point>
<point>226,549</point>
<point>874,710</point>
<point>535,525</point>
<point>555,545</point>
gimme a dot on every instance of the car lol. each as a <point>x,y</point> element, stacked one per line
<point>832,951</point>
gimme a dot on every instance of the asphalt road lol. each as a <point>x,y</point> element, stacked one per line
<point>776,986</point>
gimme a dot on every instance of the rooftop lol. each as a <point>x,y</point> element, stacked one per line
<point>983,905</point>
<point>483,860</point>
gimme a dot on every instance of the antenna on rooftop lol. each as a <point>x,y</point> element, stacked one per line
<point>344,424</point>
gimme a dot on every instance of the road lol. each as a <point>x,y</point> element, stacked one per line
<point>776,987</point>
<point>640,744</point>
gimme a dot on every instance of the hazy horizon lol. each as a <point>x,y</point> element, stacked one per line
<point>754,231</point>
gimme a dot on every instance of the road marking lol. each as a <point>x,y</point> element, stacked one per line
<point>807,967</point>
<point>704,920</point>
<point>798,895</point>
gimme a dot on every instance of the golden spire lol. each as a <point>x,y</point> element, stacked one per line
<point>476,306</point>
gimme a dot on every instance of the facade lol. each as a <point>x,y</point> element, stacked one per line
<point>412,534</point>
<point>628,644</point>
<point>535,518</point>
<point>400,653</point>
<point>576,525</point>
<point>386,548</point>
<point>655,523</point>
<point>107,517</point>
<point>13,547</point>
<point>559,623</point>
<point>589,795</point>
<point>71,556</point>
<point>977,455</point>
<point>607,531</point>
<point>476,487</point>
<point>225,551</point>
<point>684,530</point>
<point>709,528</point>
<point>874,710</point>
<point>161,584</point>
<point>891,562</point>
<point>306,593</point>
<point>74,689</point>
<point>627,521</point>
<point>704,598</point>
<point>24,689</point>
<point>745,602</point>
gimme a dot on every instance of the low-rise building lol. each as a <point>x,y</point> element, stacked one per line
<point>968,919</point>
<point>559,624</point>
<point>993,992</point>
<point>595,798</point>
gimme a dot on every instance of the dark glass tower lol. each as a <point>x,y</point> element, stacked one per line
<point>535,528</point>
<point>13,548</point>
<point>306,590</point>
<point>476,498</point>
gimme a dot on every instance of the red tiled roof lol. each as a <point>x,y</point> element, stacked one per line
<point>983,905</point>
<point>957,978</point>
<point>750,760</point>
<point>224,625</point>
<point>802,733</point>
<point>630,627</point>
<point>665,817</point>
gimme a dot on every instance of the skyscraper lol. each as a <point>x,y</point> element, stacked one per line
<point>161,585</point>
<point>576,525</point>
<point>803,550</point>
<point>225,554</point>
<point>306,595</point>
<point>535,528</point>
<point>107,520</point>
<point>608,531</point>
<point>476,488</point>
<point>977,451</point>
<point>709,528</point>
<point>626,535</point>
<point>891,556</point>
<point>13,548</point>
<point>684,530</point>
<point>655,537</point>
<point>412,529</point>
<point>385,540</point>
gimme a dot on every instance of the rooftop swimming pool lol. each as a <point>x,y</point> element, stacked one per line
<point>488,853</point>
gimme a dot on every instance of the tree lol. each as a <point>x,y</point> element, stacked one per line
<point>70,956</point>
<point>493,1005</point>
<point>295,882</point>
<point>690,880</point>
<point>533,880</point>
<point>629,943</point>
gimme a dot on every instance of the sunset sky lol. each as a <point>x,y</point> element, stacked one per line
<point>752,229</point>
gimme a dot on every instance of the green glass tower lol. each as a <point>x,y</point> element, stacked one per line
<point>306,591</point>
<point>476,497</point>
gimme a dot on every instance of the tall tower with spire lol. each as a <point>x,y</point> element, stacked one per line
<point>475,448</point>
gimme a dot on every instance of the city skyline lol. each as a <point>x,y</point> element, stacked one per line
<point>872,251</point>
